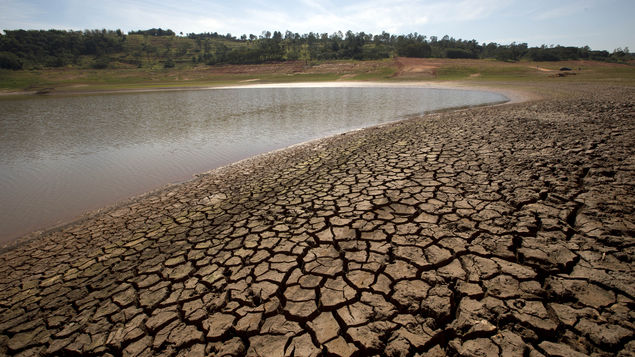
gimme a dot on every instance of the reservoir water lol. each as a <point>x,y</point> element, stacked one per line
<point>62,156</point>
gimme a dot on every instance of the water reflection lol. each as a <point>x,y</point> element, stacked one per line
<point>60,156</point>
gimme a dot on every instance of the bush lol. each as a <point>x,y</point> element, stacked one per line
<point>413,49</point>
<point>101,63</point>
<point>10,61</point>
<point>459,53</point>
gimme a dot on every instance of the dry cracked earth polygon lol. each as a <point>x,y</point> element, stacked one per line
<point>505,231</point>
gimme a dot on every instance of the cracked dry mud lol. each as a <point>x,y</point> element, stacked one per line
<point>506,230</point>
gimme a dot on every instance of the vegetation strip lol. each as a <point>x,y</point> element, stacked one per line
<point>99,49</point>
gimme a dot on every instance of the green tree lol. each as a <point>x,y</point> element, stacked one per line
<point>9,60</point>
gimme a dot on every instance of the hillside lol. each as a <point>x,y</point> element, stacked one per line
<point>157,48</point>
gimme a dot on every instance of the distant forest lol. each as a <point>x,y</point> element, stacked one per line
<point>34,49</point>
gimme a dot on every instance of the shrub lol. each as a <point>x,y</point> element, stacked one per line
<point>10,61</point>
<point>101,63</point>
<point>459,53</point>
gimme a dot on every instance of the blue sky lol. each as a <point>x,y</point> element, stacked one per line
<point>600,24</point>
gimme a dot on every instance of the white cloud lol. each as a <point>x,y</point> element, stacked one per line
<point>210,23</point>
<point>315,5</point>
<point>565,10</point>
<point>18,14</point>
<point>253,16</point>
<point>369,16</point>
<point>399,16</point>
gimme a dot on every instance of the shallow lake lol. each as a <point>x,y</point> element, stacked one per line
<point>62,156</point>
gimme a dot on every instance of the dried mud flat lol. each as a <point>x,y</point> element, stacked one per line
<point>504,230</point>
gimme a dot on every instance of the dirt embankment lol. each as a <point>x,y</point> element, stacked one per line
<point>297,67</point>
<point>416,66</point>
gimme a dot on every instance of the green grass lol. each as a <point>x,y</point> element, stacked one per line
<point>97,81</point>
<point>478,71</point>
<point>383,74</point>
<point>488,71</point>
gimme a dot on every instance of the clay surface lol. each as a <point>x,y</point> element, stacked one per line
<point>504,230</point>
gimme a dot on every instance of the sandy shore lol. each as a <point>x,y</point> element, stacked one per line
<point>504,230</point>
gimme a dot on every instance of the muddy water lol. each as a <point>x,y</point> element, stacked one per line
<point>61,156</point>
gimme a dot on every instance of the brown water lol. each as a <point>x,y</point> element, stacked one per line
<point>62,156</point>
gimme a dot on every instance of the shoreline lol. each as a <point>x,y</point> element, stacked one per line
<point>513,95</point>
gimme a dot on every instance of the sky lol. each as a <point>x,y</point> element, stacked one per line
<point>600,24</point>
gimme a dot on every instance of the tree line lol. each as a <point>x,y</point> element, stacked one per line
<point>57,48</point>
<point>28,49</point>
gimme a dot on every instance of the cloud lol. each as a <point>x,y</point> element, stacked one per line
<point>211,23</point>
<point>250,16</point>
<point>565,10</point>
<point>437,11</point>
<point>403,15</point>
<point>314,5</point>
<point>18,14</point>
<point>369,16</point>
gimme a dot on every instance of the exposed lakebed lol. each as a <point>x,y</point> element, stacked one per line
<point>61,156</point>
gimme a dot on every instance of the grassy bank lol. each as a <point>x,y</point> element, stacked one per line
<point>71,80</point>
